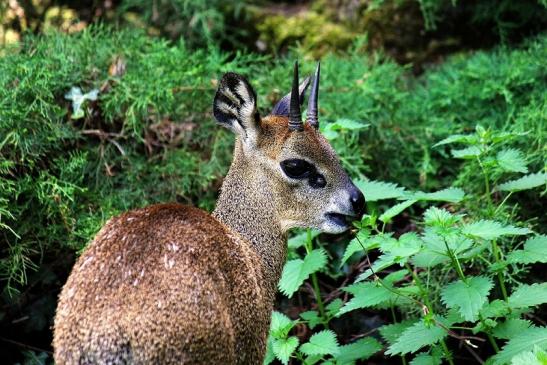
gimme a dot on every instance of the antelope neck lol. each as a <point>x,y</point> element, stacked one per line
<point>247,207</point>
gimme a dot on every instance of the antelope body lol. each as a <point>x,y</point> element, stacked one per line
<point>171,284</point>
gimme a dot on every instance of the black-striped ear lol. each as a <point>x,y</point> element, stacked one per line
<point>235,105</point>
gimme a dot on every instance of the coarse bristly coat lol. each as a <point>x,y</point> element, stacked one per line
<point>172,284</point>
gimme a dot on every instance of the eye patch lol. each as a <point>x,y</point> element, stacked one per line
<point>301,169</point>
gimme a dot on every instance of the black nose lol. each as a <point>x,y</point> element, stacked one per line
<point>357,201</point>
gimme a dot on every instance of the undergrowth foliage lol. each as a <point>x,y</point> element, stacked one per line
<point>458,276</point>
<point>100,122</point>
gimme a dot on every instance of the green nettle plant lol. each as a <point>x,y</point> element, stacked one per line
<point>458,276</point>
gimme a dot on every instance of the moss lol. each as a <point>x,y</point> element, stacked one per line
<point>316,34</point>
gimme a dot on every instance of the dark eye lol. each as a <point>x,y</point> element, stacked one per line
<point>297,169</point>
<point>318,181</point>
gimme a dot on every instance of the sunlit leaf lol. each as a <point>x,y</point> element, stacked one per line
<point>512,160</point>
<point>525,341</point>
<point>490,230</point>
<point>415,337</point>
<point>296,271</point>
<point>359,350</point>
<point>284,347</point>
<point>526,182</point>
<point>528,296</point>
<point>535,250</point>
<point>467,297</point>
<point>379,190</point>
<point>321,343</point>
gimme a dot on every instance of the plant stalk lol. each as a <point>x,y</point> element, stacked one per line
<point>315,282</point>
<point>455,262</point>
<point>486,186</point>
<point>496,252</point>
<point>447,353</point>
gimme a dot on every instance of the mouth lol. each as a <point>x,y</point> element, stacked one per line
<point>339,219</point>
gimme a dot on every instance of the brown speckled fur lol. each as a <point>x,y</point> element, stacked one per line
<point>163,284</point>
<point>171,284</point>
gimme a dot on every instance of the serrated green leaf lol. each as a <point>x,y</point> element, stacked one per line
<point>296,271</point>
<point>496,308</point>
<point>269,356</point>
<point>359,350</point>
<point>466,153</point>
<point>381,263</point>
<point>284,347</point>
<point>512,160</point>
<point>365,295</point>
<point>452,195</point>
<point>529,358</point>
<point>356,245</point>
<point>528,296</point>
<point>426,359</point>
<point>395,210</point>
<point>525,341</point>
<point>468,298</point>
<point>490,230</point>
<point>440,217</point>
<point>526,182</point>
<point>334,307</point>
<point>395,276</point>
<point>456,138</point>
<point>379,190</point>
<point>280,325</point>
<point>291,277</point>
<point>407,245</point>
<point>321,343</point>
<point>312,317</point>
<point>434,251</point>
<point>300,239</point>
<point>429,258</point>
<point>534,357</point>
<point>415,337</point>
<point>535,250</point>
<point>391,332</point>
<point>511,328</point>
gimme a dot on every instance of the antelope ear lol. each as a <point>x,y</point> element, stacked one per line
<point>235,108</point>
<point>282,106</point>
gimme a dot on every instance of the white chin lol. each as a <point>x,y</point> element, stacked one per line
<point>333,228</point>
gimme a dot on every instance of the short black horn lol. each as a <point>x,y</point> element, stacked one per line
<point>295,116</point>
<point>313,110</point>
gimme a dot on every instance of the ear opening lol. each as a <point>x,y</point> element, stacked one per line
<point>235,106</point>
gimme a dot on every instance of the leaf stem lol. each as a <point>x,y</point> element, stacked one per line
<point>394,319</point>
<point>493,342</point>
<point>502,203</point>
<point>455,262</point>
<point>315,282</point>
<point>420,286</point>
<point>486,185</point>
<point>447,352</point>
<point>497,257</point>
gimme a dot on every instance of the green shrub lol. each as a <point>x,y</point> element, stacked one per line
<point>142,141</point>
<point>448,279</point>
<point>197,22</point>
